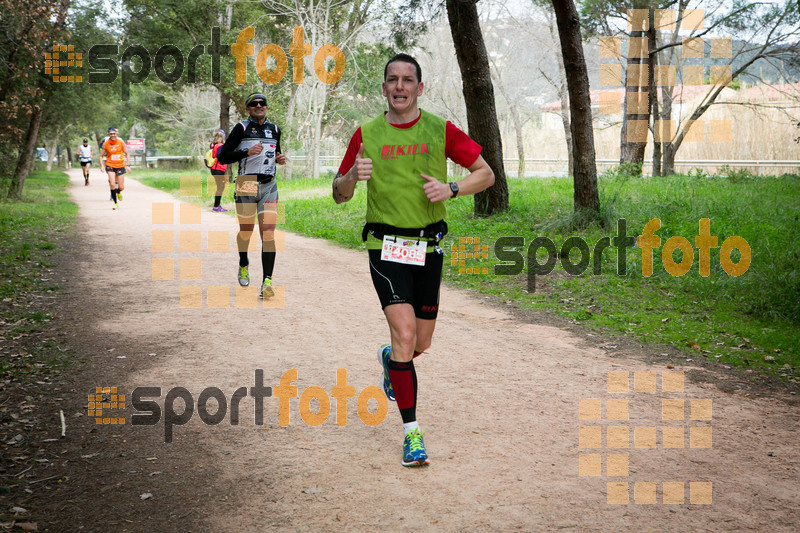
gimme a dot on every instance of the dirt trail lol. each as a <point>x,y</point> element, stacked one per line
<point>499,400</point>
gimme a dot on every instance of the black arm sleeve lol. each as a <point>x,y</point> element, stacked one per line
<point>278,144</point>
<point>228,153</point>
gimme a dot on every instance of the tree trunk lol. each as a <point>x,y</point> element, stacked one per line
<point>563,95</point>
<point>518,124</point>
<point>585,172</point>
<point>668,159</point>
<point>224,111</point>
<point>632,144</point>
<point>476,80</point>
<point>666,156</point>
<point>657,155</point>
<point>520,143</point>
<point>26,155</point>
<point>316,145</point>
<point>28,150</point>
<point>69,157</point>
<point>652,44</point>
<point>52,148</point>
<point>288,131</point>
<point>317,110</point>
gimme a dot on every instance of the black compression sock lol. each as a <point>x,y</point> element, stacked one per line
<point>243,261</point>
<point>114,195</point>
<point>217,200</point>
<point>268,263</point>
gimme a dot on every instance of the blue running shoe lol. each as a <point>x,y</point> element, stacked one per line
<point>414,453</point>
<point>383,356</point>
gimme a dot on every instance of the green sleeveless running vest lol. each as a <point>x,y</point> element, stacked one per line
<point>399,156</point>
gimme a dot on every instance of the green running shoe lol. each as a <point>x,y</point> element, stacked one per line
<point>244,276</point>
<point>266,289</point>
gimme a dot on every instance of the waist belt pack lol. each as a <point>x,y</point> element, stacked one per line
<point>260,178</point>
<point>434,232</point>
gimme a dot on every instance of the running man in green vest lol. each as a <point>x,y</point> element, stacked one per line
<point>402,155</point>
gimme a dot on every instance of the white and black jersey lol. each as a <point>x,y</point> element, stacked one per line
<point>85,153</point>
<point>244,136</point>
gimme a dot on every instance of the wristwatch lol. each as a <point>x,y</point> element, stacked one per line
<point>454,188</point>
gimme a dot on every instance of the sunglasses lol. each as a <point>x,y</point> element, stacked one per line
<point>257,103</point>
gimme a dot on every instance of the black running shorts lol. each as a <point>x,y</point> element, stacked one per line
<point>118,171</point>
<point>398,283</point>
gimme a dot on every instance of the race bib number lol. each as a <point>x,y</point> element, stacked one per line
<point>116,157</point>
<point>403,251</point>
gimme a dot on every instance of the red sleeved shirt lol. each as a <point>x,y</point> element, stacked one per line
<point>459,148</point>
<point>217,164</point>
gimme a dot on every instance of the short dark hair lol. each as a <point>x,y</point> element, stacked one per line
<point>405,58</point>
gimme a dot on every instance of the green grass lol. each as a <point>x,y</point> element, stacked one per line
<point>170,181</point>
<point>27,227</point>
<point>28,232</point>
<point>749,321</point>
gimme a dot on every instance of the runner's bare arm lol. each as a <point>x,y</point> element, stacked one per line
<point>345,184</point>
<point>480,177</point>
<point>127,157</point>
<point>343,187</point>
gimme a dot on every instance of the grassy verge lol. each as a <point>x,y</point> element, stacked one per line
<point>170,181</point>
<point>29,230</point>
<point>746,321</point>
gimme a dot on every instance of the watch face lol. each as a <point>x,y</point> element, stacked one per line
<point>454,188</point>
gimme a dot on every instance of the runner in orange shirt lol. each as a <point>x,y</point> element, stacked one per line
<point>116,155</point>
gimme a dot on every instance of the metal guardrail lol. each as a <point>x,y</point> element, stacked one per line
<point>151,161</point>
<point>547,164</point>
<point>544,165</point>
<point>755,165</point>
